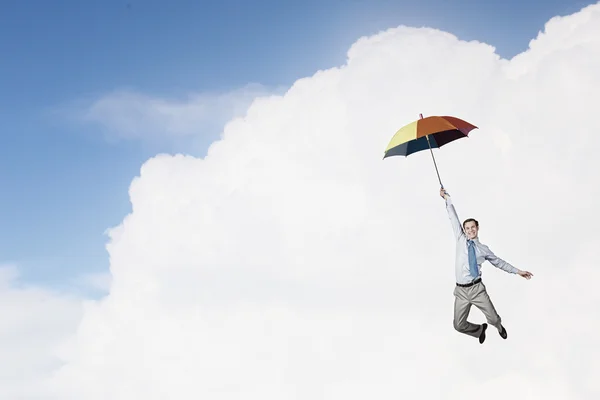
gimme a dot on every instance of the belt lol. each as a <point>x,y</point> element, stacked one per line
<point>470,283</point>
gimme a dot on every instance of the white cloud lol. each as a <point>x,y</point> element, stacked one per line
<point>293,263</point>
<point>34,324</point>
<point>127,114</point>
<point>93,281</point>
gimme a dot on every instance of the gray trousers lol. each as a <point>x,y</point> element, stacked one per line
<point>475,295</point>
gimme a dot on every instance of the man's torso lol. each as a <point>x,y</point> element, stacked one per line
<point>463,273</point>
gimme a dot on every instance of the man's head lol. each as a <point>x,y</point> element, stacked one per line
<point>471,227</point>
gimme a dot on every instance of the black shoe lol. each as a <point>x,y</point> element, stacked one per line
<point>503,334</point>
<point>482,334</point>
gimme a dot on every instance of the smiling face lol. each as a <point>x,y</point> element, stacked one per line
<point>471,227</point>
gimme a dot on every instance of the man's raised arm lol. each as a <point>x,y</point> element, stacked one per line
<point>456,226</point>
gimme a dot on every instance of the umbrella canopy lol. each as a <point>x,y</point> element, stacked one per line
<point>427,133</point>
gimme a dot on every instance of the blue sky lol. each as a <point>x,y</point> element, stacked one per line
<point>64,184</point>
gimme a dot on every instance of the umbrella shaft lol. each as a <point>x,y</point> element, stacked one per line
<point>434,163</point>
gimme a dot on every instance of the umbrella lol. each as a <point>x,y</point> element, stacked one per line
<point>430,132</point>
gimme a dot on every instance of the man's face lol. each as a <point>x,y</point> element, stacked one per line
<point>471,230</point>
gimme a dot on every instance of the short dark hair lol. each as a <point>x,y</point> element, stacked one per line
<point>471,220</point>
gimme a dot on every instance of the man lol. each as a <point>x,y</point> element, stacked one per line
<point>470,290</point>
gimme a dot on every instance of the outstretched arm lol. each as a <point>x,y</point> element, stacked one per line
<point>505,266</point>
<point>456,226</point>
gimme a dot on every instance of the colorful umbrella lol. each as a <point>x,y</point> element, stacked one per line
<point>429,132</point>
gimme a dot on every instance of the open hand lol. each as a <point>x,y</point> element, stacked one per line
<point>525,274</point>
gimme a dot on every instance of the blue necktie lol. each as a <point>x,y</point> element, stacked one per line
<point>472,260</point>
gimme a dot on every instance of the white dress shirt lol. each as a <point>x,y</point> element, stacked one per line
<point>483,252</point>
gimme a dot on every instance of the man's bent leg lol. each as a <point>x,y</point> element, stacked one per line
<point>462,306</point>
<point>482,300</point>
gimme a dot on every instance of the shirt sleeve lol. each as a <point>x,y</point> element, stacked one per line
<point>499,263</point>
<point>456,226</point>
